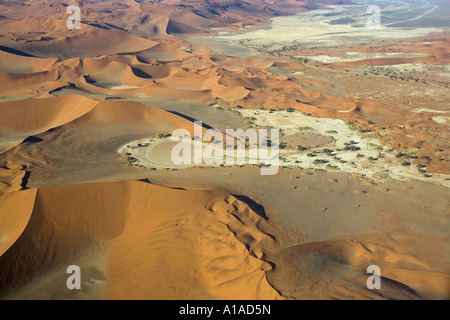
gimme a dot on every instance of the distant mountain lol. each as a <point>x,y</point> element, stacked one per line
<point>164,17</point>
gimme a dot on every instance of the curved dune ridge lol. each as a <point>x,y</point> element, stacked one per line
<point>24,118</point>
<point>15,212</point>
<point>34,116</point>
<point>157,242</point>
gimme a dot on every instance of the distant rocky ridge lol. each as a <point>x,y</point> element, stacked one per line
<point>163,17</point>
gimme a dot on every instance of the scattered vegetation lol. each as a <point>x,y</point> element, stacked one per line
<point>352,148</point>
<point>321,161</point>
<point>305,128</point>
<point>329,152</point>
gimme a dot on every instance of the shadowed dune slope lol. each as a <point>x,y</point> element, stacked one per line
<point>23,118</point>
<point>38,115</point>
<point>15,212</point>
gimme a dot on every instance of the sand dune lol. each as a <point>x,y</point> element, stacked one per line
<point>404,276</point>
<point>30,117</point>
<point>198,244</point>
<point>10,180</point>
<point>151,242</point>
<point>15,212</point>
<point>81,143</point>
<point>21,120</point>
<point>165,70</point>
<point>136,114</point>
<point>195,77</point>
<point>90,41</point>
<point>13,63</point>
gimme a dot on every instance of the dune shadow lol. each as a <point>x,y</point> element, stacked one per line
<point>256,207</point>
<point>113,26</point>
<point>190,119</point>
<point>139,73</point>
<point>143,59</point>
<point>70,86</point>
<point>32,139</point>
<point>399,286</point>
<point>25,179</point>
<point>16,52</point>
<point>98,26</point>
<point>146,180</point>
<point>89,80</point>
